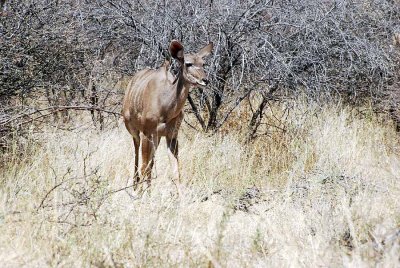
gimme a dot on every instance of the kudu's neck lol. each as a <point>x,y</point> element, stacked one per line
<point>180,90</point>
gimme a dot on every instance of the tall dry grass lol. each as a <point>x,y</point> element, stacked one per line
<point>323,193</point>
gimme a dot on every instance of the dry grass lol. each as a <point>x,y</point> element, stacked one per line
<point>324,193</point>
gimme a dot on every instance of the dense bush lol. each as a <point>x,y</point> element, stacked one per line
<point>76,50</point>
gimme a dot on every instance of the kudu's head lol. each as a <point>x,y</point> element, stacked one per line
<point>192,65</point>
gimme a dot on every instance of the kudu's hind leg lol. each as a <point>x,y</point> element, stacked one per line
<point>136,177</point>
<point>136,143</point>
<point>172,144</point>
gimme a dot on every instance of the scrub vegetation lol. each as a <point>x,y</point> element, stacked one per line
<point>290,156</point>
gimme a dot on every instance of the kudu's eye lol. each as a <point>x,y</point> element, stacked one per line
<point>188,64</point>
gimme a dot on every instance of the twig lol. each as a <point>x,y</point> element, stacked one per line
<point>55,109</point>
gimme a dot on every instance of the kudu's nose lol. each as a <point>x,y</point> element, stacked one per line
<point>205,80</point>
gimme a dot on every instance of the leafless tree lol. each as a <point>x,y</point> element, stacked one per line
<point>74,52</point>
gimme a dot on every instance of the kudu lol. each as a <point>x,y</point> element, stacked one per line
<point>153,105</point>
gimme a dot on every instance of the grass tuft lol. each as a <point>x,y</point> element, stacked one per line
<point>325,192</point>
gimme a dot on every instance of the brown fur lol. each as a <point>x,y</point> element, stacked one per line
<point>153,105</point>
<point>396,39</point>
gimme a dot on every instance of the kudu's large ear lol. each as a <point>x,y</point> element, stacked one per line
<point>205,51</point>
<point>176,50</point>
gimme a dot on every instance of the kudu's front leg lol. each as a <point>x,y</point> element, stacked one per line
<point>149,146</point>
